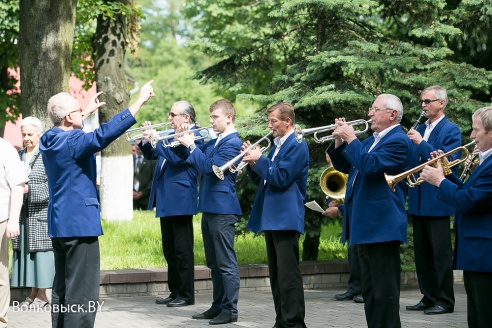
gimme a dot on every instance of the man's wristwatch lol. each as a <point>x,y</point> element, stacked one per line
<point>191,147</point>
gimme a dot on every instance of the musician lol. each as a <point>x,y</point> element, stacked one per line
<point>281,178</point>
<point>431,216</point>
<point>473,220</point>
<point>220,210</point>
<point>174,195</point>
<point>375,217</point>
<point>74,223</point>
<point>336,209</point>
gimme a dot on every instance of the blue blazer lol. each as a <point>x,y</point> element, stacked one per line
<point>279,203</point>
<point>373,212</point>
<point>473,218</point>
<point>174,186</point>
<point>70,162</point>
<point>422,200</point>
<point>217,196</point>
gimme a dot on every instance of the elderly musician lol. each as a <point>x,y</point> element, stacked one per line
<point>375,218</point>
<point>74,225</point>
<point>431,216</point>
<point>473,220</point>
<point>281,178</point>
<point>220,209</point>
<point>174,194</point>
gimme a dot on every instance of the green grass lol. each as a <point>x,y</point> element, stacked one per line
<point>137,244</point>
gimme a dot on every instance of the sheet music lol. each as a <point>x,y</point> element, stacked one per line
<point>313,205</point>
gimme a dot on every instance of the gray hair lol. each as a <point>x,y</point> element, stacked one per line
<point>394,103</point>
<point>485,114</point>
<point>440,93</point>
<point>34,122</point>
<point>186,109</point>
<point>60,105</point>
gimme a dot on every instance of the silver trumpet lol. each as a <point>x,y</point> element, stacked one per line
<point>166,139</point>
<point>137,133</point>
<point>231,165</point>
<point>302,133</point>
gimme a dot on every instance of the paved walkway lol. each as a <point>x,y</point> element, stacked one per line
<point>255,310</point>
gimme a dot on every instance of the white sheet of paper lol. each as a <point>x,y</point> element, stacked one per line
<point>313,205</point>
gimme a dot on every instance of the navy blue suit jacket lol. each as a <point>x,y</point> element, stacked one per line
<point>279,203</point>
<point>473,218</point>
<point>70,162</point>
<point>174,186</point>
<point>422,199</point>
<point>217,196</point>
<point>373,212</point>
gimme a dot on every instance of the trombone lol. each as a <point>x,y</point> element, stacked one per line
<point>136,133</point>
<point>301,133</point>
<point>392,180</point>
<point>154,138</point>
<point>219,171</point>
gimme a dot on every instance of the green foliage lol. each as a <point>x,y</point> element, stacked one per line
<point>9,59</point>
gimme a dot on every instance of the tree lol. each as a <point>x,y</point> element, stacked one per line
<point>9,59</point>
<point>109,44</point>
<point>331,58</point>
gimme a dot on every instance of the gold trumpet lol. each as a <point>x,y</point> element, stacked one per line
<point>154,139</point>
<point>333,183</point>
<point>301,133</point>
<point>231,165</point>
<point>136,133</point>
<point>392,180</point>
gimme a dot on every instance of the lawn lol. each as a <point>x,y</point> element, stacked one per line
<point>137,244</point>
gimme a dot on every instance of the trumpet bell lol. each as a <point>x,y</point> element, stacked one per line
<point>333,183</point>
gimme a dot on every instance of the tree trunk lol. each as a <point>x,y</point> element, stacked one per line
<point>46,29</point>
<point>116,188</point>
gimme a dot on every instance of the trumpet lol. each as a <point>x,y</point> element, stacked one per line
<point>136,133</point>
<point>154,139</point>
<point>392,180</point>
<point>301,133</point>
<point>417,122</point>
<point>219,171</point>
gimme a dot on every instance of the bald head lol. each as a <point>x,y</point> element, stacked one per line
<point>60,105</point>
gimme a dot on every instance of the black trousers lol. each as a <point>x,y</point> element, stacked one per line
<point>76,283</point>
<point>478,286</point>
<point>380,274</point>
<point>177,246</point>
<point>354,284</point>
<point>434,259</point>
<point>285,277</point>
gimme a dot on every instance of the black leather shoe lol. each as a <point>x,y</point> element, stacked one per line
<point>223,318</point>
<point>420,306</point>
<point>358,299</point>
<point>345,296</point>
<point>438,310</point>
<point>164,300</point>
<point>179,303</point>
<point>209,314</point>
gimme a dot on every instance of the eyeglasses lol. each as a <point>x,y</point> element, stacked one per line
<point>174,114</point>
<point>77,110</point>
<point>375,110</point>
<point>428,101</point>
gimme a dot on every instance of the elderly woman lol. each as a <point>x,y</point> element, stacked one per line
<point>33,259</point>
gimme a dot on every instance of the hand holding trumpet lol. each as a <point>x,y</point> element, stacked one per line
<point>185,139</point>
<point>344,131</point>
<point>252,155</point>
<point>433,174</point>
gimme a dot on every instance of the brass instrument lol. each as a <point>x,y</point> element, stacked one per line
<point>154,139</point>
<point>392,180</point>
<point>301,133</point>
<point>136,133</point>
<point>468,166</point>
<point>219,171</point>
<point>417,122</point>
<point>333,183</point>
